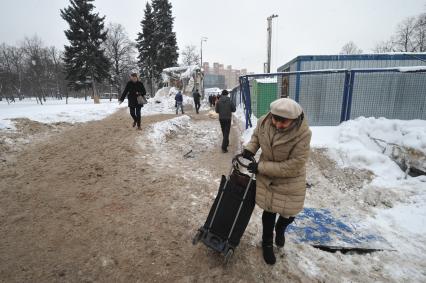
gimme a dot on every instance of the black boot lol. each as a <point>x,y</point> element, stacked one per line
<point>268,253</point>
<point>280,228</point>
<point>268,221</point>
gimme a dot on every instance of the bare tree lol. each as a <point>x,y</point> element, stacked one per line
<point>11,67</point>
<point>190,56</point>
<point>384,47</point>
<point>420,33</point>
<point>121,52</point>
<point>350,48</point>
<point>33,49</point>
<point>17,62</point>
<point>56,70</point>
<point>5,71</point>
<point>404,37</point>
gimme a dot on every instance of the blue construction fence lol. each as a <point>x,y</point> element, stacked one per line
<point>330,97</point>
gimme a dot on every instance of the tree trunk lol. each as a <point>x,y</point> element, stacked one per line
<point>95,93</point>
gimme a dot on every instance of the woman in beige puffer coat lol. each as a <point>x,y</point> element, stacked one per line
<point>284,137</point>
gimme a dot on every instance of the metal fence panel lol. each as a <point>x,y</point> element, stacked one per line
<point>330,97</point>
<point>321,97</point>
<point>392,95</point>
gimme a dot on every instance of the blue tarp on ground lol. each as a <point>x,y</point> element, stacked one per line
<point>320,227</point>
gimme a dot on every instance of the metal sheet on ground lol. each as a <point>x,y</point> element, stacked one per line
<point>320,227</point>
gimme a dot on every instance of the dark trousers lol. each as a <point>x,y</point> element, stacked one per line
<point>135,112</point>
<point>268,221</point>
<point>197,106</point>
<point>225,124</point>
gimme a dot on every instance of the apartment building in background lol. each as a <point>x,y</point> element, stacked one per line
<point>221,77</point>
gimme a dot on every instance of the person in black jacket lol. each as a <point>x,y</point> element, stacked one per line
<point>197,97</point>
<point>133,89</point>
<point>225,107</point>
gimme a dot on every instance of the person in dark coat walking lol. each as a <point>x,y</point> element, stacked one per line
<point>179,102</point>
<point>197,97</point>
<point>133,89</point>
<point>224,107</point>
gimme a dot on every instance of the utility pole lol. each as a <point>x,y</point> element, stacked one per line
<point>268,63</point>
<point>201,65</point>
<point>201,50</point>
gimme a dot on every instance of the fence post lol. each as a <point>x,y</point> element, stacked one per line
<point>350,91</point>
<point>296,96</point>
<point>245,95</point>
<point>345,96</point>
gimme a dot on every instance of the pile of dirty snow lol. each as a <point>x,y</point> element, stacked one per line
<point>375,144</point>
<point>160,131</point>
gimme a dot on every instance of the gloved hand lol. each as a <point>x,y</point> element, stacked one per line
<point>252,168</point>
<point>247,154</point>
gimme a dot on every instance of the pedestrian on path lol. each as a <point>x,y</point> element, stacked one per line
<point>134,88</point>
<point>179,102</point>
<point>284,137</point>
<point>224,107</point>
<point>196,95</point>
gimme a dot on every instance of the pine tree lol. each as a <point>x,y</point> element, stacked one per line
<point>84,57</point>
<point>146,46</point>
<point>164,37</point>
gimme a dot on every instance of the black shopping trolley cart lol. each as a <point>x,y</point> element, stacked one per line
<point>230,212</point>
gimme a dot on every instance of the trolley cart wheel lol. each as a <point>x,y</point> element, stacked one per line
<point>196,238</point>
<point>228,255</point>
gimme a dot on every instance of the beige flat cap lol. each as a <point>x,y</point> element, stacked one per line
<point>286,108</point>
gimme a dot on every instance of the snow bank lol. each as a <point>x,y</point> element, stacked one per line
<point>53,110</point>
<point>164,102</point>
<point>159,131</point>
<point>240,118</point>
<point>362,143</point>
<point>411,217</point>
<point>212,91</point>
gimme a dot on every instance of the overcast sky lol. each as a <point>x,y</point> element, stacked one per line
<point>236,29</point>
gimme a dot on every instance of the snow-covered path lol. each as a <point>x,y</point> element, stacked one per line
<point>99,201</point>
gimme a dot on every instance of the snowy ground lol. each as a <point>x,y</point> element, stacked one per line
<point>53,110</point>
<point>352,172</point>
<point>370,188</point>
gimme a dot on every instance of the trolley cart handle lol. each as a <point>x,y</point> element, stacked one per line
<point>236,160</point>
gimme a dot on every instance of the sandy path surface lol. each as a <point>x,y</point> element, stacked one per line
<point>102,202</point>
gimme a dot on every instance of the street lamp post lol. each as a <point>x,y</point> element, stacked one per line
<point>201,64</point>
<point>268,64</point>
<point>201,50</point>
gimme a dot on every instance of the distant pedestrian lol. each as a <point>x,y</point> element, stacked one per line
<point>211,100</point>
<point>218,97</point>
<point>197,97</point>
<point>179,102</point>
<point>225,107</point>
<point>134,88</point>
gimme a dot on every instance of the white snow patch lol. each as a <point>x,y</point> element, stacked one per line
<point>159,131</point>
<point>412,69</point>
<point>164,102</point>
<point>355,144</point>
<point>53,110</point>
<point>267,80</point>
<point>246,133</point>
